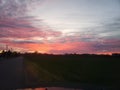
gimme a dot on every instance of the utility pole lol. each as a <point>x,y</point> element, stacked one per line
<point>6,47</point>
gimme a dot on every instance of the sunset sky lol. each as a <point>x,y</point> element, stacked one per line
<point>60,26</point>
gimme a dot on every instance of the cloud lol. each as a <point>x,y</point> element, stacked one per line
<point>26,41</point>
<point>56,48</point>
<point>104,31</point>
<point>17,30</point>
<point>17,8</point>
<point>15,23</point>
<point>107,30</point>
<point>12,8</point>
<point>100,39</point>
<point>107,45</point>
<point>8,32</point>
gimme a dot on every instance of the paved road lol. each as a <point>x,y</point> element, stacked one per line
<point>11,73</point>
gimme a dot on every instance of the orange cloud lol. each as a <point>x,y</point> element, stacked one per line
<point>56,48</point>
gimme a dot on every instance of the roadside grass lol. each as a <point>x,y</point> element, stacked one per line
<point>77,69</point>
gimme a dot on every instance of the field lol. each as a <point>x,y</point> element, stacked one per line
<point>91,69</point>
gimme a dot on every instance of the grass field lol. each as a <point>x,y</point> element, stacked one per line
<point>73,68</point>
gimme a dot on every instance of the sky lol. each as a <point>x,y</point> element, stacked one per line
<point>60,26</point>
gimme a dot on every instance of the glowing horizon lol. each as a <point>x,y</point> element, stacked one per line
<point>60,26</point>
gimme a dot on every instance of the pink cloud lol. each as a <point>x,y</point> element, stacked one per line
<point>18,32</point>
<point>23,29</point>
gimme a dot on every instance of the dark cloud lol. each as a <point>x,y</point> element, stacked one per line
<point>27,42</point>
<point>108,30</point>
<point>102,38</point>
<point>16,28</point>
<point>16,23</point>
<point>107,46</point>
<point>16,8</point>
<point>12,8</point>
<point>22,28</point>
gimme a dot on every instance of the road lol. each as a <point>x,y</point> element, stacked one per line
<point>11,73</point>
<point>12,76</point>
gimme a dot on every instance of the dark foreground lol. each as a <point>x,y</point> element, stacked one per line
<point>11,73</point>
<point>68,72</point>
<point>88,72</point>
